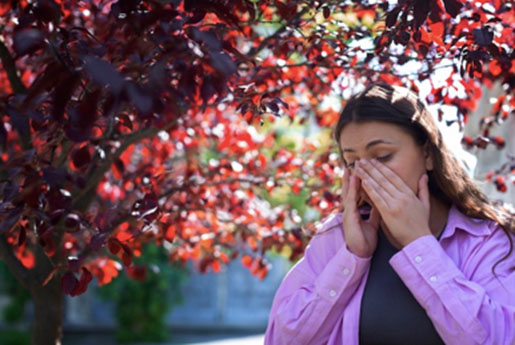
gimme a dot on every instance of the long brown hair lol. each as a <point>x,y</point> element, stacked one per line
<point>448,181</point>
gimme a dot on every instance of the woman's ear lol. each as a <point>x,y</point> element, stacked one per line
<point>428,157</point>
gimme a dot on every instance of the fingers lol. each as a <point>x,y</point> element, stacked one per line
<point>386,177</point>
<point>366,171</point>
<point>352,192</point>
<point>376,192</point>
<point>345,182</point>
<point>423,190</point>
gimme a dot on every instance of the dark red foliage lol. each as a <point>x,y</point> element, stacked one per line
<point>128,122</point>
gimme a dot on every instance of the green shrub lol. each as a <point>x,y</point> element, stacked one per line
<point>141,306</point>
<point>14,311</point>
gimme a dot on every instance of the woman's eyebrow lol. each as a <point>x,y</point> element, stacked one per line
<point>371,143</point>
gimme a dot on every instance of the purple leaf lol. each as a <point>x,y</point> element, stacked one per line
<point>156,76</point>
<point>141,98</point>
<point>208,37</point>
<point>27,41</point>
<point>81,157</point>
<point>72,222</point>
<point>391,17</point>
<point>207,90</point>
<point>68,283</point>
<point>82,285</point>
<point>62,95</point>
<point>18,120</point>
<point>58,198</point>
<point>420,11</point>
<point>223,63</point>
<point>98,241</point>
<point>483,36</point>
<point>452,7</point>
<point>104,74</point>
<point>11,220</point>
<point>47,11</point>
<point>54,177</point>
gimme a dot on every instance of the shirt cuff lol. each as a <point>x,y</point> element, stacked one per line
<point>424,267</point>
<point>342,274</point>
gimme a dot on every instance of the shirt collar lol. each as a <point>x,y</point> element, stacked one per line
<point>459,221</point>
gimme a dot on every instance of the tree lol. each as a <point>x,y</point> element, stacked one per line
<point>129,122</point>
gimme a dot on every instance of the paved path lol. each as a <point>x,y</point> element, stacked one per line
<point>250,340</point>
<point>177,339</point>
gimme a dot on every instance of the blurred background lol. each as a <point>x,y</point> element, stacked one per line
<point>180,152</point>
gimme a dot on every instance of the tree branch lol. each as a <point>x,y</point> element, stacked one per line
<point>266,41</point>
<point>83,199</point>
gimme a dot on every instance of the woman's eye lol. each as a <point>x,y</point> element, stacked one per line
<point>382,159</point>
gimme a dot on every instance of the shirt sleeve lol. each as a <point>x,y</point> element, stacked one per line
<point>311,298</point>
<point>466,310</point>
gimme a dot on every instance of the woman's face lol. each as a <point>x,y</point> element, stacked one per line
<point>390,145</point>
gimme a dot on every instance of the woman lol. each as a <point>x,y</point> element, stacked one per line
<point>417,254</point>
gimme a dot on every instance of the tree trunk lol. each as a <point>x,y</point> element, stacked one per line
<point>48,314</point>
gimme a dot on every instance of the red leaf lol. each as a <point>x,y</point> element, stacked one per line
<point>495,68</point>
<point>263,273</point>
<point>252,243</point>
<point>170,233</point>
<point>68,283</point>
<point>327,12</point>
<point>246,261</point>
<point>83,283</point>
<point>4,7</point>
<point>81,157</point>
<point>127,258</point>
<point>499,142</point>
<point>114,246</point>
<point>215,265</point>
<point>137,272</point>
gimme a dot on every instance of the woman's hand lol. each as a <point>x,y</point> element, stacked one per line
<point>405,214</point>
<point>360,235</point>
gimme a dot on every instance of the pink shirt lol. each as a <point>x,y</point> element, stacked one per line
<point>319,300</point>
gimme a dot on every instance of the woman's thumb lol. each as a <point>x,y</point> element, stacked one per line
<point>374,218</point>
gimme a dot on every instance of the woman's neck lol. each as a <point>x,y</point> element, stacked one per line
<point>438,215</point>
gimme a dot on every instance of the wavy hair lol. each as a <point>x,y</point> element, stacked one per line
<point>448,181</point>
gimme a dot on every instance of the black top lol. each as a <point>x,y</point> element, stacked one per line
<point>390,315</point>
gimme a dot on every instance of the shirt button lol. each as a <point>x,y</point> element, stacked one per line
<point>346,271</point>
<point>418,259</point>
<point>332,293</point>
<point>433,278</point>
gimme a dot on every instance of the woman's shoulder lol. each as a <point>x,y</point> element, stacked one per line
<point>483,241</point>
<point>329,226</point>
<point>478,228</point>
